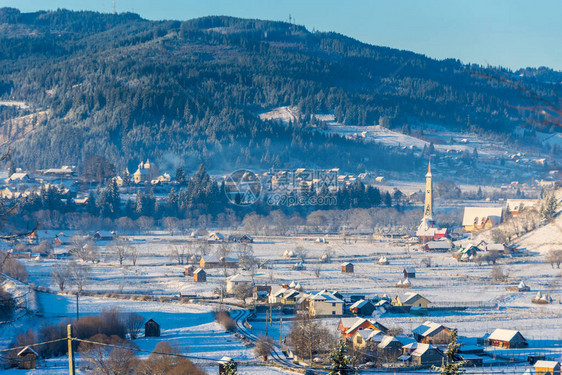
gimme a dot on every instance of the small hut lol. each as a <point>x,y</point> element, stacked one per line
<point>151,329</point>
<point>347,267</point>
<point>26,358</point>
<point>227,363</point>
<point>409,273</point>
<point>200,276</point>
<point>189,270</point>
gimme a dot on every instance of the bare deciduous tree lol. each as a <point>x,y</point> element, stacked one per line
<point>264,346</point>
<point>309,337</point>
<point>134,254</point>
<point>79,274</point>
<point>120,250</point>
<point>300,253</point>
<point>554,256</point>
<point>61,275</point>
<point>243,291</point>
<point>134,323</point>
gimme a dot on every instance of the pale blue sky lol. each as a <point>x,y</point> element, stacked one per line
<point>510,33</point>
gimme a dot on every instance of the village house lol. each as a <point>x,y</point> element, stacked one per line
<point>261,292</point>
<point>515,206</point>
<point>362,307</point>
<point>347,267</point>
<point>507,339</point>
<point>390,347</point>
<point>427,354</point>
<point>285,296</point>
<point>199,276</point>
<point>325,303</point>
<point>411,300</point>
<point>366,340</point>
<point>349,326</point>
<point>479,218</point>
<point>432,333</point>
<point>235,281</point>
<point>216,237</point>
<point>547,368</point>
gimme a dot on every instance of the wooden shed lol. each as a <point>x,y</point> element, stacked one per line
<point>189,270</point>
<point>409,273</point>
<point>507,339</point>
<point>151,329</point>
<point>347,267</point>
<point>200,276</point>
<point>547,367</point>
<point>26,358</point>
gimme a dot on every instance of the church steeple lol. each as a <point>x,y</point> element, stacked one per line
<point>428,207</point>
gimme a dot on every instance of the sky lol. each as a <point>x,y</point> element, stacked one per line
<point>508,33</point>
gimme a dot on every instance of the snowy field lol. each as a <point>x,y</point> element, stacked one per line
<point>446,283</point>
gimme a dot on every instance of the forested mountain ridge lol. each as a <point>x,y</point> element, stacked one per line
<point>131,89</point>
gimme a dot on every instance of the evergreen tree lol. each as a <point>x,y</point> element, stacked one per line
<point>340,361</point>
<point>452,366</point>
<point>230,367</point>
<point>549,206</point>
<point>180,176</point>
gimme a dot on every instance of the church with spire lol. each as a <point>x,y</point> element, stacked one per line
<point>428,230</point>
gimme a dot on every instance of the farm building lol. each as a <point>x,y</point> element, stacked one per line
<point>211,261</point>
<point>199,275</point>
<point>325,303</point>
<point>188,271</point>
<point>432,333</point>
<point>515,206</point>
<point>151,329</point>
<point>103,236</point>
<point>547,368</point>
<point>285,296</point>
<point>237,280</point>
<point>438,246</point>
<point>412,300</point>
<point>362,307</point>
<point>261,292</point>
<point>479,218</point>
<point>409,273</point>
<point>347,267</point>
<point>216,237</point>
<point>507,338</point>
<point>26,358</point>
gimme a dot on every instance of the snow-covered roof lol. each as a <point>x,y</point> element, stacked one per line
<point>546,364</point>
<point>427,328</point>
<point>239,278</point>
<point>27,349</point>
<point>386,340</point>
<point>439,245</point>
<point>410,270</point>
<point>477,213</point>
<point>422,348</point>
<point>411,297</point>
<point>501,334</point>
<point>199,270</point>
<point>346,264</point>
<point>326,296</point>
<point>495,247</point>
<point>359,304</point>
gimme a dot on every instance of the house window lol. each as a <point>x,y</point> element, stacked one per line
<point>333,313</point>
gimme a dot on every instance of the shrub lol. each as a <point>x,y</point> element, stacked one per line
<point>223,317</point>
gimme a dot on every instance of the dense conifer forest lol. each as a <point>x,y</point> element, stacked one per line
<point>189,92</point>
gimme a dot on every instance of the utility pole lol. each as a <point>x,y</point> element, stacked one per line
<point>77,307</point>
<point>70,353</point>
<point>281,331</point>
